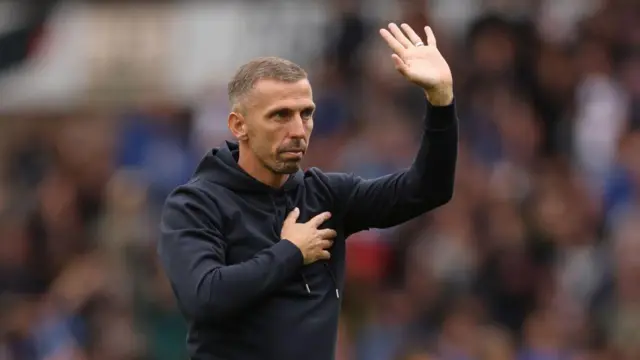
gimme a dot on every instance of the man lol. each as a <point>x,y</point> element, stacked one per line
<point>255,248</point>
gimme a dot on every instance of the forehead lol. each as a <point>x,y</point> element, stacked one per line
<point>273,94</point>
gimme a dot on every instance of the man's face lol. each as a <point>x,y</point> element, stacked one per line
<point>278,117</point>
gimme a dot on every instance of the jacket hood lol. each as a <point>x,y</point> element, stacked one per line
<point>220,166</point>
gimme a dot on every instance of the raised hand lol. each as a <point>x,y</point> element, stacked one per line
<point>420,63</point>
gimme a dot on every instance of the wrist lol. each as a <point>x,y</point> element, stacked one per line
<point>440,95</point>
<point>292,250</point>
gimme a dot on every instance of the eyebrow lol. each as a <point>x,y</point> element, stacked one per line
<point>288,110</point>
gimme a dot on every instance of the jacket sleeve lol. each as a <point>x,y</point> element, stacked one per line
<point>192,252</point>
<point>396,198</point>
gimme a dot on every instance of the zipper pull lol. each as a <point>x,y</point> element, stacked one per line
<point>307,286</point>
<point>337,294</point>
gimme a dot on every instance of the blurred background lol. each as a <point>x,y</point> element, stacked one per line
<point>105,106</point>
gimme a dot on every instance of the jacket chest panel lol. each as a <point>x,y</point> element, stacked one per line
<point>257,223</point>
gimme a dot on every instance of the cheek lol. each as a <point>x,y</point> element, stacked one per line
<point>268,140</point>
<point>309,128</point>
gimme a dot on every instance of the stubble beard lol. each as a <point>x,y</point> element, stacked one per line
<point>281,166</point>
<point>285,167</point>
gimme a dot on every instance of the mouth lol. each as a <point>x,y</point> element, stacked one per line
<point>296,153</point>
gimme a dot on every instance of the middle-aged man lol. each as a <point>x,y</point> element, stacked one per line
<point>254,247</point>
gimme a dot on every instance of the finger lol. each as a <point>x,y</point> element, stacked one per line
<point>413,37</point>
<point>324,255</point>
<point>400,36</point>
<point>431,39</point>
<point>293,216</point>
<point>327,233</point>
<point>399,64</point>
<point>325,244</point>
<point>393,43</point>
<point>319,219</point>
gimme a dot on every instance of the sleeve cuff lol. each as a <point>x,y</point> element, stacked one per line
<point>291,256</point>
<point>440,118</point>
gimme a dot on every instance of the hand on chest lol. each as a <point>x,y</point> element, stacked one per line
<point>258,225</point>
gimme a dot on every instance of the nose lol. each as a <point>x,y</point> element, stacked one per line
<point>297,127</point>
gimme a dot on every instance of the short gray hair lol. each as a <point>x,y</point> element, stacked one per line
<point>263,68</point>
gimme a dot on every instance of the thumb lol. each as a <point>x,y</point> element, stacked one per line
<point>293,216</point>
<point>399,64</point>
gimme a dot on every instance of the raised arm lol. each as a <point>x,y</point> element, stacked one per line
<point>428,183</point>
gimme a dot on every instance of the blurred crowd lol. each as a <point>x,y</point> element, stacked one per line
<point>537,257</point>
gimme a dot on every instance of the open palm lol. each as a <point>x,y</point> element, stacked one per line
<point>420,63</point>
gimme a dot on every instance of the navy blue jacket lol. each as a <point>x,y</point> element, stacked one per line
<point>244,292</point>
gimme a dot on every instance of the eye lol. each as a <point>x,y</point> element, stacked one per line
<point>281,114</point>
<point>307,113</point>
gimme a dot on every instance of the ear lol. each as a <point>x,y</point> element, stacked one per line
<point>237,126</point>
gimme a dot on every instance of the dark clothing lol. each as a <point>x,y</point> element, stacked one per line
<point>245,292</point>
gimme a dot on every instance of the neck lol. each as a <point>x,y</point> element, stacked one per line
<point>252,166</point>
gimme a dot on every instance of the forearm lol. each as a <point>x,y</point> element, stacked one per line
<point>393,199</point>
<point>432,174</point>
<point>225,290</point>
<point>428,183</point>
<point>208,288</point>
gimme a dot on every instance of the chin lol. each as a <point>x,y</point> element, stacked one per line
<point>290,169</point>
<point>287,168</point>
